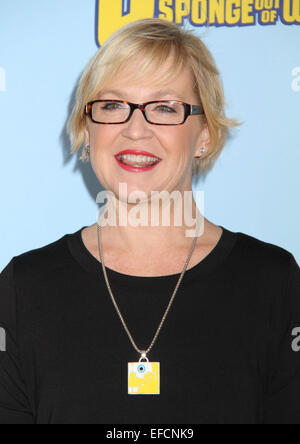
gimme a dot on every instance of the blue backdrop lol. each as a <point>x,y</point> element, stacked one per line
<point>44,46</point>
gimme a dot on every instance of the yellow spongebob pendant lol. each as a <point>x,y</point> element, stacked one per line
<point>143,377</point>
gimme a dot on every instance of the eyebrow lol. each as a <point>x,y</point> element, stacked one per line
<point>155,95</point>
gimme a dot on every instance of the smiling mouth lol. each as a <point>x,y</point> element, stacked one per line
<point>138,161</point>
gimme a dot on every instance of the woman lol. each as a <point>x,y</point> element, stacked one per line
<point>125,324</point>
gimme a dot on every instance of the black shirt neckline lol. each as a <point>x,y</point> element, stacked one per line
<point>213,260</point>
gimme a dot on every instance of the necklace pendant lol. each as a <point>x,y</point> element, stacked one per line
<point>143,377</point>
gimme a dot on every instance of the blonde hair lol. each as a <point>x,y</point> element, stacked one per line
<point>155,39</point>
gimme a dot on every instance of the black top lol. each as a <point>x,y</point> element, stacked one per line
<point>228,350</point>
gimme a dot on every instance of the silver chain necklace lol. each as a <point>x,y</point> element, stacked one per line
<point>143,377</point>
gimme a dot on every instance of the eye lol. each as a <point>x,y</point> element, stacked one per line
<point>141,368</point>
<point>111,106</point>
<point>165,108</point>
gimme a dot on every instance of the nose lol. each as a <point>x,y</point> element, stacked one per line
<point>140,112</point>
<point>137,127</point>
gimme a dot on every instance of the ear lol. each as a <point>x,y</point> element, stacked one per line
<point>203,141</point>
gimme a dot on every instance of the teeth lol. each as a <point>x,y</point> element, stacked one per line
<point>139,158</point>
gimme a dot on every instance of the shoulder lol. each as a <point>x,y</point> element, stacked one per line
<point>271,274</point>
<point>45,252</point>
<point>262,252</point>
<point>38,262</point>
<point>25,273</point>
<point>258,262</point>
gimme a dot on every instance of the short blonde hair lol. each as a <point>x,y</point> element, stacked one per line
<point>155,39</point>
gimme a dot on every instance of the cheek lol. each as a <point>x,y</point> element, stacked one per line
<point>95,138</point>
<point>102,135</point>
<point>177,142</point>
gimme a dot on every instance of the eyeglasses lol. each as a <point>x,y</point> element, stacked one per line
<point>160,112</point>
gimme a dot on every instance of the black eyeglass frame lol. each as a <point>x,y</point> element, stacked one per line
<point>189,110</point>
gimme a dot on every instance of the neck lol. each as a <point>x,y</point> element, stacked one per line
<point>157,224</point>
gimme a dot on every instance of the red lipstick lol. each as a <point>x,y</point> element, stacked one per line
<point>137,169</point>
<point>138,153</point>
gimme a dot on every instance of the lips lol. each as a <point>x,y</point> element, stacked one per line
<point>137,161</point>
<point>138,153</point>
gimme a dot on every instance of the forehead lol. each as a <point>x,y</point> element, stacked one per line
<point>151,94</point>
<point>127,83</point>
